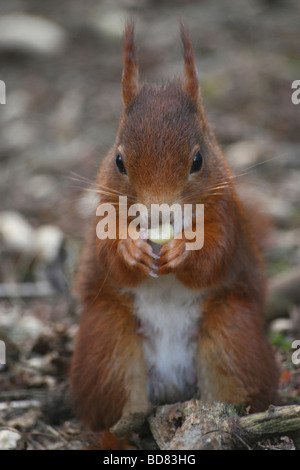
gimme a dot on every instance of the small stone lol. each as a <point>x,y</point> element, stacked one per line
<point>31,34</point>
<point>28,327</point>
<point>9,439</point>
<point>110,23</point>
<point>48,241</point>
<point>281,325</point>
<point>243,154</point>
<point>16,233</point>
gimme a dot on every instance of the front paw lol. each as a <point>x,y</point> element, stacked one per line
<point>138,255</point>
<point>172,256</point>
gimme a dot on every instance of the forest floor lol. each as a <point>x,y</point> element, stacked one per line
<point>60,118</point>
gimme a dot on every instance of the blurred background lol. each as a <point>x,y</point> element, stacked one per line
<point>61,62</point>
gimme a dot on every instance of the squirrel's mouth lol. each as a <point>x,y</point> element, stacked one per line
<point>157,220</point>
<point>160,223</point>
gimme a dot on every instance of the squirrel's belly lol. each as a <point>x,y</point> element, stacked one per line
<point>169,316</point>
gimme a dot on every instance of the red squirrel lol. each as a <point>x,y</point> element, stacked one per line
<point>167,325</point>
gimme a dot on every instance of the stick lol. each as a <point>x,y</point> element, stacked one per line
<point>196,425</point>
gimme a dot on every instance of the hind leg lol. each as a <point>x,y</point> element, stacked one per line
<point>108,372</point>
<point>236,364</point>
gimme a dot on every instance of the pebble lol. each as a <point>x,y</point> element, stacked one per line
<point>110,23</point>
<point>18,235</point>
<point>243,154</point>
<point>27,327</point>
<point>16,232</point>
<point>281,325</point>
<point>9,439</point>
<point>48,241</point>
<point>31,34</point>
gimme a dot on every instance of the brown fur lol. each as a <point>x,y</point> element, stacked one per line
<point>159,128</point>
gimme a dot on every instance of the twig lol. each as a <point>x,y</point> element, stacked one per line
<point>276,421</point>
<point>218,425</point>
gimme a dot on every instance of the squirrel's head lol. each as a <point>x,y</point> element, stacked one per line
<point>164,150</point>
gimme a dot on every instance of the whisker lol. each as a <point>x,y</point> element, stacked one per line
<point>106,193</point>
<point>81,179</point>
<point>206,191</point>
<point>264,161</point>
<point>113,191</point>
<point>99,187</point>
<point>246,171</point>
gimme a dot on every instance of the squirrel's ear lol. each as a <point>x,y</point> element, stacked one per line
<point>130,78</point>
<point>191,83</point>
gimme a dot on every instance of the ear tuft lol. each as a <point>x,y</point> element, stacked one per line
<point>191,83</point>
<point>130,78</point>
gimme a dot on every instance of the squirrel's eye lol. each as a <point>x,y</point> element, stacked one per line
<point>120,164</point>
<point>197,163</point>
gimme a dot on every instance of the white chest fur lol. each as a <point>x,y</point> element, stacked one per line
<point>169,314</point>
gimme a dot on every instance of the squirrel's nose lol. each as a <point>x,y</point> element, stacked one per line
<point>158,219</point>
<point>159,199</point>
<point>161,208</point>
